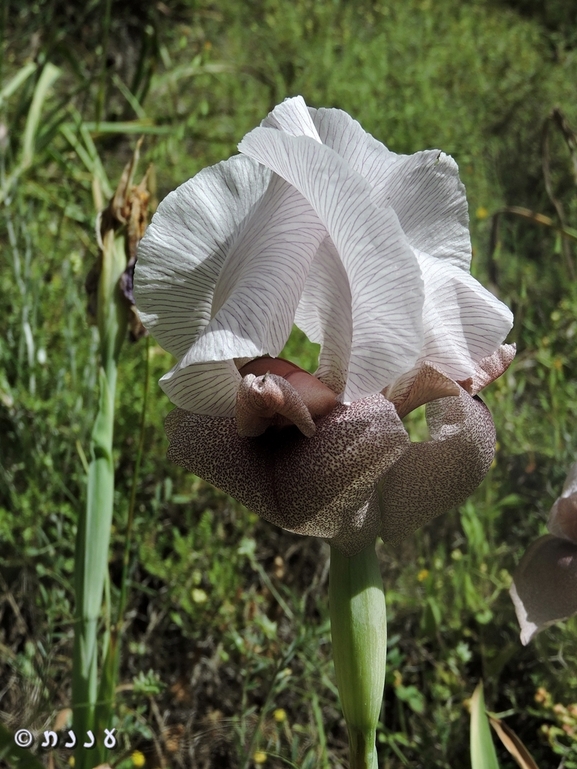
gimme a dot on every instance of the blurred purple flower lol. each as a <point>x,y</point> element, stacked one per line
<point>544,589</point>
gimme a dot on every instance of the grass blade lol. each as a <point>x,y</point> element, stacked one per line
<point>49,75</point>
<point>15,83</point>
<point>483,755</point>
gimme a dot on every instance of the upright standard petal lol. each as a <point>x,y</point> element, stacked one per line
<point>544,589</point>
<point>427,195</point>
<point>186,245</point>
<point>463,322</point>
<point>261,281</point>
<point>384,276</point>
<point>325,315</point>
<point>361,151</point>
<point>423,189</point>
<point>436,475</point>
<point>292,116</point>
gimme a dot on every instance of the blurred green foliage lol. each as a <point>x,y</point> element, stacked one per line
<point>227,624</point>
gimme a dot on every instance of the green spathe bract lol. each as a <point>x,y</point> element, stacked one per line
<point>359,637</point>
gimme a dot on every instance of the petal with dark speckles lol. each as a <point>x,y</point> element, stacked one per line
<point>434,476</point>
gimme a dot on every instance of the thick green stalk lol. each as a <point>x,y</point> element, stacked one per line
<point>93,536</point>
<point>359,635</point>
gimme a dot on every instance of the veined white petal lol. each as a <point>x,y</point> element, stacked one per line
<point>186,245</point>
<point>383,273</point>
<point>363,153</point>
<point>427,195</point>
<point>203,388</point>
<point>292,117</point>
<point>325,315</point>
<point>260,284</point>
<point>463,322</point>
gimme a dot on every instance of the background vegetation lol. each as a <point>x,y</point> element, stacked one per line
<point>226,654</point>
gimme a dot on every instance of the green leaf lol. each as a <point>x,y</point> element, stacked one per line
<point>483,755</point>
<point>15,83</point>
<point>49,74</point>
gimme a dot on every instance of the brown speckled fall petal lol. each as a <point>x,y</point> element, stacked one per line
<point>318,486</point>
<point>544,589</point>
<point>211,448</point>
<point>434,476</point>
<point>325,482</point>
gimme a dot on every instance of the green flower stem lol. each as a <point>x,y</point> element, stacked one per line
<point>93,535</point>
<point>359,636</point>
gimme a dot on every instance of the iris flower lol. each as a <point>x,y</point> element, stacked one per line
<point>544,589</point>
<point>318,224</point>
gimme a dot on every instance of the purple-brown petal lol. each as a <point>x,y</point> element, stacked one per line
<point>262,399</point>
<point>434,476</point>
<point>324,483</point>
<point>320,486</point>
<point>544,589</point>
<point>563,515</point>
<point>563,518</point>
<point>425,384</point>
<point>211,448</point>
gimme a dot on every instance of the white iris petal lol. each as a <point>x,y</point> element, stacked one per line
<point>463,321</point>
<point>325,315</point>
<point>292,117</point>
<point>186,246</point>
<point>203,388</point>
<point>427,195</point>
<point>260,284</point>
<point>320,224</point>
<point>361,151</point>
<point>384,275</point>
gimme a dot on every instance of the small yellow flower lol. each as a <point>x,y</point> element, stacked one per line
<point>259,757</point>
<point>199,595</point>
<point>542,696</point>
<point>71,761</point>
<point>422,575</point>
<point>482,213</point>
<point>279,715</point>
<point>138,758</point>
